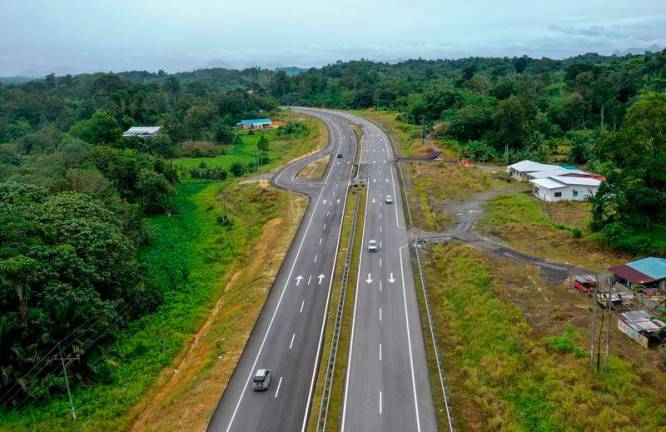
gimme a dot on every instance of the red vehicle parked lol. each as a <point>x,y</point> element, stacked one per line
<point>584,283</point>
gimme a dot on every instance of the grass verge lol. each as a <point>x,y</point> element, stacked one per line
<point>314,170</point>
<point>506,374</point>
<point>337,390</point>
<point>554,231</point>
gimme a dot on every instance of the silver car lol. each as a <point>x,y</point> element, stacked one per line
<point>372,246</point>
<point>388,199</point>
<point>262,379</point>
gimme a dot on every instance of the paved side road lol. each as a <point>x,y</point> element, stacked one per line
<point>288,335</point>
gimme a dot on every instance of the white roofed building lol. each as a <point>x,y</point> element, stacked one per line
<point>565,188</point>
<point>142,131</point>
<point>522,169</point>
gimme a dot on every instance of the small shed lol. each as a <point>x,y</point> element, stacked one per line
<point>642,327</point>
<point>142,131</point>
<point>255,123</point>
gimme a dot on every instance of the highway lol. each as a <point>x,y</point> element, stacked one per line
<point>288,335</point>
<point>387,385</point>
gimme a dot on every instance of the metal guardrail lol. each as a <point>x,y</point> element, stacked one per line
<point>330,366</point>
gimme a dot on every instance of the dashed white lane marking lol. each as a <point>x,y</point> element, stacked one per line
<point>380,352</point>
<point>380,317</point>
<point>315,258</point>
<point>324,226</point>
<point>291,344</point>
<point>309,279</point>
<point>380,401</point>
<point>278,388</point>
<point>380,263</point>
<point>302,304</point>
<point>380,285</point>
<point>380,228</point>
<point>320,239</point>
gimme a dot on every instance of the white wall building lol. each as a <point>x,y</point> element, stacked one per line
<point>565,188</point>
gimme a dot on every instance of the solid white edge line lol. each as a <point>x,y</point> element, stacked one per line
<point>277,307</point>
<point>409,342</point>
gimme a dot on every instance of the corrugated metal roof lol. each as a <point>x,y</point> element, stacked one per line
<point>548,183</point>
<point>641,321</point>
<point>531,166</point>
<point>653,267</point>
<point>577,181</point>
<point>549,173</point>
<point>139,130</point>
<point>255,121</point>
<point>630,274</point>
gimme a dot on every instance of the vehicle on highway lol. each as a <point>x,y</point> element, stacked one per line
<point>339,155</point>
<point>262,379</point>
<point>372,246</point>
<point>388,199</point>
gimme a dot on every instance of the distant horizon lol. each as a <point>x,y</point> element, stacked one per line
<point>635,52</point>
<point>38,37</point>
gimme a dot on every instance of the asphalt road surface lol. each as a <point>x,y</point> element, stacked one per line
<point>387,386</point>
<point>287,337</point>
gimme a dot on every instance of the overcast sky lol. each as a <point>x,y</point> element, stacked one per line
<point>70,36</point>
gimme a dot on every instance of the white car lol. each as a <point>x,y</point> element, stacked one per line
<point>372,246</point>
<point>388,199</point>
<point>262,379</point>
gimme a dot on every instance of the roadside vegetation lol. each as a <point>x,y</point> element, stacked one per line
<point>120,248</point>
<point>554,231</point>
<point>507,373</point>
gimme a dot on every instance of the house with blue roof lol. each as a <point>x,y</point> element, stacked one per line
<point>647,272</point>
<point>263,123</point>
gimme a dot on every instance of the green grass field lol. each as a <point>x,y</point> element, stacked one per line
<point>281,149</point>
<point>504,377</point>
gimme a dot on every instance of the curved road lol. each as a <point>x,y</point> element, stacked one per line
<point>287,337</point>
<point>387,386</point>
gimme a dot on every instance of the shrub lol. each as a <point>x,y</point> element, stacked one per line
<point>200,149</point>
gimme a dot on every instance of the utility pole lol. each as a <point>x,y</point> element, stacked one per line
<point>594,324</point>
<point>64,370</point>
<point>608,331</point>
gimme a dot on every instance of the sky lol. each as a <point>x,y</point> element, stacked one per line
<point>38,37</point>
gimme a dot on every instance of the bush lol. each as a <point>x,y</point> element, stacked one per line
<point>200,149</point>
<point>293,130</point>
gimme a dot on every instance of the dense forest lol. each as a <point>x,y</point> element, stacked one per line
<point>74,192</point>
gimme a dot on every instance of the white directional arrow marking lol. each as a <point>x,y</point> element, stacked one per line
<point>299,278</point>
<point>321,277</point>
<point>338,200</point>
<point>373,200</point>
<point>324,201</point>
<point>369,279</point>
<point>374,180</point>
<point>391,279</point>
